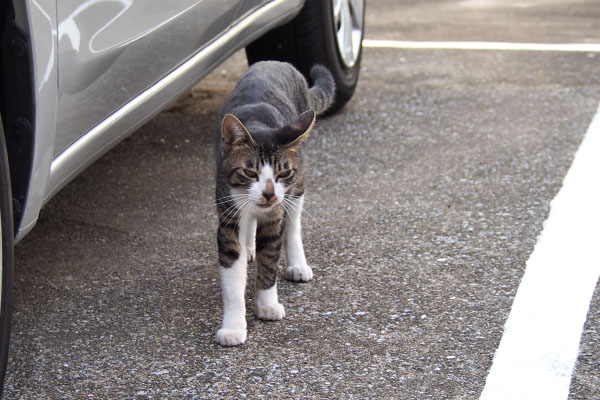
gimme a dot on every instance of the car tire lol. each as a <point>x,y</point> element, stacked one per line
<point>7,253</point>
<point>327,32</point>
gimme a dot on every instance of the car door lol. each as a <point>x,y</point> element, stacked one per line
<point>109,51</point>
<point>247,6</point>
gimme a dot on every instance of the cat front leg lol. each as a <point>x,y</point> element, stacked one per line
<point>268,249</point>
<point>233,265</point>
<point>251,240</point>
<point>297,268</point>
<point>233,284</point>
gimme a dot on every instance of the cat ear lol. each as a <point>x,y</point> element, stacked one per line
<point>298,131</point>
<point>234,132</point>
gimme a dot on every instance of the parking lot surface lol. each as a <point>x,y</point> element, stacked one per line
<point>426,196</point>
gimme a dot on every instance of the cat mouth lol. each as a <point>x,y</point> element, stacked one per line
<point>265,205</point>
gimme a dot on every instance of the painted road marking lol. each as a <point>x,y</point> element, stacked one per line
<point>569,47</point>
<point>540,344</point>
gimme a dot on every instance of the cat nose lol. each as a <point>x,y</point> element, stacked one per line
<point>269,192</point>
<point>268,195</point>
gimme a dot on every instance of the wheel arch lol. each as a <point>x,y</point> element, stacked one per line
<point>17,103</point>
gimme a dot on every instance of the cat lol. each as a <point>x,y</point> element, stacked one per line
<point>260,185</point>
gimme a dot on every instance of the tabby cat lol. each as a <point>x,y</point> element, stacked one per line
<point>260,185</point>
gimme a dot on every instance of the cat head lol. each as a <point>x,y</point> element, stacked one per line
<point>262,166</point>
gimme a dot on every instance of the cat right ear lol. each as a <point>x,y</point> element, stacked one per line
<point>298,131</point>
<point>233,132</point>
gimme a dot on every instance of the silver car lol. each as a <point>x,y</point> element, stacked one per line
<point>77,76</point>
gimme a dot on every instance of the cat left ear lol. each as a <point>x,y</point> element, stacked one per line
<point>298,131</point>
<point>234,132</point>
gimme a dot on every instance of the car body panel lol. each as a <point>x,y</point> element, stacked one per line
<point>109,51</point>
<point>247,6</point>
<point>38,17</point>
<point>128,112</point>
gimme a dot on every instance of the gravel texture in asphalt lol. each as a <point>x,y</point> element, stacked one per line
<point>425,197</point>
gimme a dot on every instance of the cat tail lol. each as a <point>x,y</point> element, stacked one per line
<point>322,95</point>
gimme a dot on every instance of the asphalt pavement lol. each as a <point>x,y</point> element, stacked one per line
<point>426,195</point>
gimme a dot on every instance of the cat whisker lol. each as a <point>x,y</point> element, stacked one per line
<point>233,202</point>
<point>295,197</point>
<point>232,216</point>
<point>230,213</point>
<point>226,219</point>
<point>233,196</point>
<point>221,201</point>
<point>303,209</point>
<point>244,207</point>
<point>227,199</point>
<point>296,207</point>
<point>286,208</point>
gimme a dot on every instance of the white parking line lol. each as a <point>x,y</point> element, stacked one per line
<point>398,44</point>
<point>538,351</point>
<point>540,344</point>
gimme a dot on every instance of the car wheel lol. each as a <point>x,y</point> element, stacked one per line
<point>6,255</point>
<point>327,32</point>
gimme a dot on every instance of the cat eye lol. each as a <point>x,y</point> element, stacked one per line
<point>285,174</point>
<point>250,173</point>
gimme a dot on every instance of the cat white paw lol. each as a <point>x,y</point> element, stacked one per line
<point>299,273</point>
<point>251,253</point>
<point>270,312</point>
<point>231,337</point>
